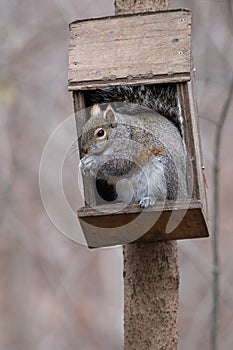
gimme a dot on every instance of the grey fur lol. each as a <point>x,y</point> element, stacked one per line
<point>161,98</point>
<point>145,150</point>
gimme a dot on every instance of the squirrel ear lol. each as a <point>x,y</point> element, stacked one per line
<point>109,115</point>
<point>95,109</point>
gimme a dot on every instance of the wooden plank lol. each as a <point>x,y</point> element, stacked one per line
<point>81,118</point>
<point>189,138</point>
<point>114,224</point>
<point>198,152</point>
<point>130,48</point>
<point>100,84</point>
<point>192,141</point>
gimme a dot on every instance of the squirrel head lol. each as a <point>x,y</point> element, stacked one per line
<point>108,116</point>
<point>98,130</point>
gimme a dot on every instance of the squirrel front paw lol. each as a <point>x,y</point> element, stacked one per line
<point>147,202</point>
<point>88,164</point>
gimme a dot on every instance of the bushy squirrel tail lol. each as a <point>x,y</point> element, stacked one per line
<point>161,98</point>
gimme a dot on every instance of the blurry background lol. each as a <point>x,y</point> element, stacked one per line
<point>55,294</point>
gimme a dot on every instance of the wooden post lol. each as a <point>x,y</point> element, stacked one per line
<point>151,277</point>
<point>135,6</point>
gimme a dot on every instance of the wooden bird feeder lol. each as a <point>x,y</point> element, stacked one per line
<point>140,49</point>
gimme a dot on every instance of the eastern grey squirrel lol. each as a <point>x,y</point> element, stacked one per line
<point>137,150</point>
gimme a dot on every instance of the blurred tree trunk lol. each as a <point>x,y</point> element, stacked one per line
<point>151,276</point>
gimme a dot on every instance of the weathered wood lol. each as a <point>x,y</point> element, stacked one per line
<point>151,284</point>
<point>81,118</point>
<point>197,148</point>
<point>163,79</point>
<point>184,102</point>
<point>115,224</point>
<point>192,142</point>
<point>114,48</point>
<point>135,6</point>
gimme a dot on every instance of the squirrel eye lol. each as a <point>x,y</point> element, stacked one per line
<point>100,133</point>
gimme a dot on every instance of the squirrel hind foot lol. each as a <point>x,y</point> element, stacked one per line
<point>146,202</point>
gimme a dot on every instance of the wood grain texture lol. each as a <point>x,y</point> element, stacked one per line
<point>114,224</point>
<point>135,6</point>
<point>151,283</point>
<point>192,142</point>
<point>189,139</point>
<point>198,151</point>
<point>159,79</point>
<point>81,118</point>
<point>131,48</point>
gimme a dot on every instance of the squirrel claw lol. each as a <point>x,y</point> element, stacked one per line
<point>147,202</point>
